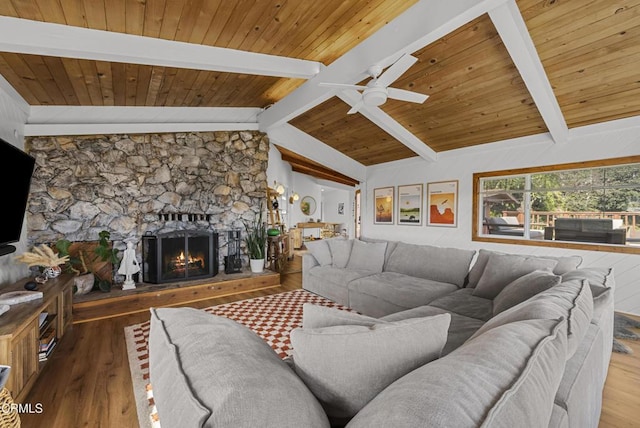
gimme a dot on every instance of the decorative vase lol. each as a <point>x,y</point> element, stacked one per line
<point>52,271</point>
<point>257,265</point>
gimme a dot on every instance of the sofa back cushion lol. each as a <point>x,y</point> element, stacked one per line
<point>391,245</point>
<point>524,288</point>
<point>211,371</point>
<point>502,269</point>
<point>570,299</point>
<point>602,284</point>
<point>367,256</point>
<point>565,264</point>
<point>450,265</point>
<point>506,377</point>
<point>346,366</point>
<point>321,251</point>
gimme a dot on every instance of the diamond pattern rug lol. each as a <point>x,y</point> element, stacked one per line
<point>271,317</point>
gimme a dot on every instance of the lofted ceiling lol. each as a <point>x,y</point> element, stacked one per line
<point>493,69</point>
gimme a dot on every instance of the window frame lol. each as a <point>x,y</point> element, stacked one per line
<point>476,218</point>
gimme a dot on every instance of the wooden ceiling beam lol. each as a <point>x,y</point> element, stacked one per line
<point>291,138</point>
<point>420,25</point>
<point>42,38</point>
<point>515,36</point>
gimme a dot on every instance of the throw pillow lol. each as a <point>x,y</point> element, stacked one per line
<point>367,256</point>
<point>320,250</point>
<point>524,288</point>
<point>346,366</point>
<point>503,269</point>
<point>318,316</point>
<point>571,300</point>
<point>565,264</point>
<point>340,251</point>
<point>507,379</point>
<point>209,370</point>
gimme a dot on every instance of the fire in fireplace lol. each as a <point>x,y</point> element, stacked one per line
<point>179,256</point>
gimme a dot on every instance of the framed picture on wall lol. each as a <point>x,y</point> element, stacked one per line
<point>410,204</point>
<point>383,205</point>
<point>442,203</point>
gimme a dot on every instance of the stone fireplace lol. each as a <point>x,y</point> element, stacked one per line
<point>136,185</point>
<point>179,256</point>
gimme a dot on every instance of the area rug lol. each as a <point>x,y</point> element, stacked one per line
<point>621,330</point>
<point>271,317</point>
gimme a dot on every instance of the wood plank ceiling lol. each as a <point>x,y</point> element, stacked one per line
<point>590,52</point>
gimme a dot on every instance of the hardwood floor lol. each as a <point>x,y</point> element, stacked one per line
<point>87,381</point>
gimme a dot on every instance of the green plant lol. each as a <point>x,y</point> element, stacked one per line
<point>256,237</point>
<point>83,261</point>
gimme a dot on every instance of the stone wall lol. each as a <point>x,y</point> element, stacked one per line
<point>148,183</point>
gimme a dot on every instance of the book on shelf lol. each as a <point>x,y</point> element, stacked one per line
<point>47,338</point>
<point>44,355</point>
<point>46,321</point>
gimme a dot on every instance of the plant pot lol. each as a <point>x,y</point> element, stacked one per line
<point>84,283</point>
<point>257,265</point>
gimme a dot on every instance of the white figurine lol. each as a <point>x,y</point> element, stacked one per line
<point>129,266</point>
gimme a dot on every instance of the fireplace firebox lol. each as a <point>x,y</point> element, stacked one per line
<point>179,256</point>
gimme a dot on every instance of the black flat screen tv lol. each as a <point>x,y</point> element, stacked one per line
<point>16,169</point>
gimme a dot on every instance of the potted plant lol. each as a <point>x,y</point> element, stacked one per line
<point>87,264</point>
<point>256,240</point>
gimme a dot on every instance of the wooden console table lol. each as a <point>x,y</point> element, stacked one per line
<point>320,226</point>
<point>20,331</point>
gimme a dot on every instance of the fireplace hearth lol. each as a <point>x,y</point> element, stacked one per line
<point>179,256</point>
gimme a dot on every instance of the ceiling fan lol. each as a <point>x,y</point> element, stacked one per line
<point>377,90</point>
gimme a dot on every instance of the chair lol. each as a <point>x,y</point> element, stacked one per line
<point>509,225</point>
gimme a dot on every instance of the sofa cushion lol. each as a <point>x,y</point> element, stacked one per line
<point>435,263</point>
<point>461,328</point>
<point>524,288</point>
<point>565,264</point>
<point>498,380</point>
<point>602,284</point>
<point>400,290</point>
<point>319,316</point>
<point>463,302</point>
<point>336,275</point>
<point>345,366</point>
<point>582,381</point>
<point>502,269</point>
<point>570,299</point>
<point>340,251</point>
<point>367,256</point>
<point>211,371</point>
<point>320,250</point>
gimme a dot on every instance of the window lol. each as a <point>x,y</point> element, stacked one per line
<point>590,205</point>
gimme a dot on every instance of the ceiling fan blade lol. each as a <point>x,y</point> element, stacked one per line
<point>404,95</point>
<point>341,86</point>
<point>356,107</point>
<point>396,70</point>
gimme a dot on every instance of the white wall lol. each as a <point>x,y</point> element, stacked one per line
<point>280,171</point>
<point>13,115</point>
<point>330,200</point>
<point>589,143</point>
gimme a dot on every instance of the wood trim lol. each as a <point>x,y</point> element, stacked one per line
<point>475,233</point>
<point>147,296</point>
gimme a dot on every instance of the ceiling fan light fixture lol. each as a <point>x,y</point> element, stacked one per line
<point>374,96</point>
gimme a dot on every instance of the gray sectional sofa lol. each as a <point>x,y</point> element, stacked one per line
<point>437,337</point>
<point>394,281</point>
